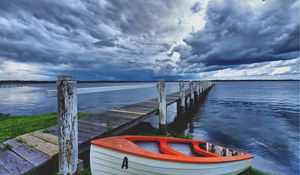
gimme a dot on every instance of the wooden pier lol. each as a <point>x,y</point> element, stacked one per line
<point>44,152</point>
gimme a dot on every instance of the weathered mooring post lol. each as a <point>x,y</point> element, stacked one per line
<point>162,106</point>
<point>67,124</point>
<point>191,94</point>
<point>181,102</point>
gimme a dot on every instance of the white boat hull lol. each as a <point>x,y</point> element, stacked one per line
<point>106,161</point>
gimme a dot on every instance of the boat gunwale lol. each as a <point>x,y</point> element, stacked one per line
<point>131,148</point>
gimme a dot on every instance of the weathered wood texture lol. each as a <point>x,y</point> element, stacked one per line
<point>67,124</point>
<point>191,93</point>
<point>162,106</point>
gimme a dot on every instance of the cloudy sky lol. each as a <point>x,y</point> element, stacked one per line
<point>149,39</point>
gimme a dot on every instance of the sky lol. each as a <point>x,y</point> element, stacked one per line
<point>149,40</point>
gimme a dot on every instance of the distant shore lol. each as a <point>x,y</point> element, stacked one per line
<point>20,82</point>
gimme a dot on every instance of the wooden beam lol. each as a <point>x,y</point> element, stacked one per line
<point>53,93</point>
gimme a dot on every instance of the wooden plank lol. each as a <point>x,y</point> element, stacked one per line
<point>91,125</point>
<point>128,112</point>
<point>94,121</point>
<point>124,115</point>
<point>14,164</point>
<point>46,137</point>
<point>51,130</point>
<point>91,121</point>
<point>31,155</point>
<point>138,109</point>
<point>114,115</point>
<point>39,144</point>
<point>3,170</point>
<point>132,123</point>
<point>103,121</point>
<point>84,137</point>
<point>90,129</point>
<point>147,104</point>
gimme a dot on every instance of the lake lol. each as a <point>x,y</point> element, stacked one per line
<point>258,117</point>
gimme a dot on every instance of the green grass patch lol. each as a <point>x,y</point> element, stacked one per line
<point>86,171</point>
<point>13,126</point>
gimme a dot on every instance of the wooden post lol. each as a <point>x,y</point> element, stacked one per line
<point>191,94</point>
<point>181,102</point>
<point>162,106</point>
<point>197,92</point>
<point>67,124</point>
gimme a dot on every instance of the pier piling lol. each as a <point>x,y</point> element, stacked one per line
<point>191,94</point>
<point>162,106</point>
<point>181,101</point>
<point>67,124</point>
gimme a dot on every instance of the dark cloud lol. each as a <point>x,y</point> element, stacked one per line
<point>236,33</point>
<point>84,33</point>
<point>133,39</point>
<point>196,7</point>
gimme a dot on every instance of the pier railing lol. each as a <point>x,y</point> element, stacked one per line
<point>67,92</point>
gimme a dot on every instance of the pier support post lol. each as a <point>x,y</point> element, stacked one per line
<point>197,92</point>
<point>191,93</point>
<point>181,102</point>
<point>162,106</point>
<point>67,124</point>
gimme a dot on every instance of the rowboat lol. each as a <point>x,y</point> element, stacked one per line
<point>148,155</point>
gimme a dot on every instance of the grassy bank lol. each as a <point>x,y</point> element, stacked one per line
<point>13,126</point>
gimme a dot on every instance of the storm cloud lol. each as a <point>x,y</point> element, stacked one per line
<point>236,33</point>
<point>143,40</point>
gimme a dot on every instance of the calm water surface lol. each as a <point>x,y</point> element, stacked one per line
<point>261,118</point>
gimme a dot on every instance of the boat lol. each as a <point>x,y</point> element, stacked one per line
<point>149,155</point>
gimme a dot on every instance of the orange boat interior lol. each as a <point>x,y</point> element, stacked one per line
<point>171,149</point>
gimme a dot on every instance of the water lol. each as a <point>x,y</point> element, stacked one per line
<point>261,118</point>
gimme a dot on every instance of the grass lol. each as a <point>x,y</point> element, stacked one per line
<point>13,126</point>
<point>109,127</point>
<point>86,171</point>
<point>4,147</point>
